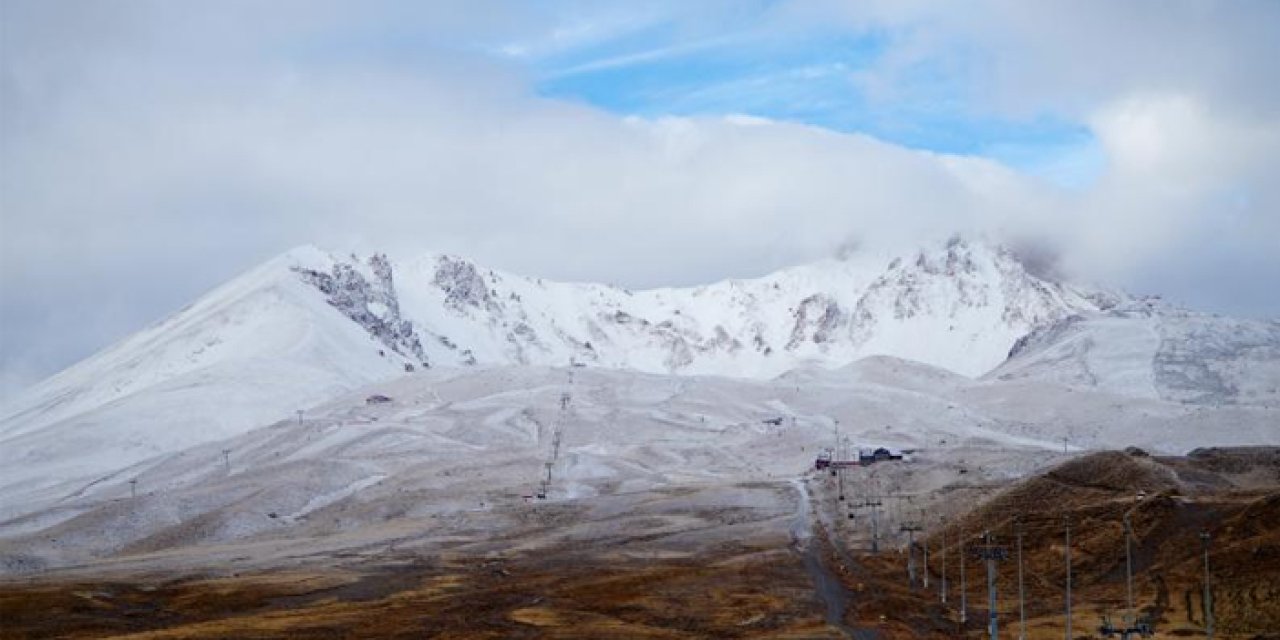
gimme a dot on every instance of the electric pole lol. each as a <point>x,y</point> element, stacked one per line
<point>1067,524</point>
<point>1022,602</point>
<point>1128,573</point>
<point>874,502</point>
<point>943,586</point>
<point>133,488</point>
<point>299,416</point>
<point>925,543</point>
<point>911,528</point>
<point>1208,595</point>
<point>964,590</point>
<point>991,553</point>
<point>226,459</point>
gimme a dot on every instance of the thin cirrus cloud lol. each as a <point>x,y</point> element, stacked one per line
<point>150,151</point>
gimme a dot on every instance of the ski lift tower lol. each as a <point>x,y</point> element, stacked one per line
<point>991,552</point>
<point>911,527</point>
<point>1131,627</point>
<point>874,502</point>
<point>1137,629</point>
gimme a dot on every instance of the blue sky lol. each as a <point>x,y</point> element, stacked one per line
<point>814,76</point>
<point>150,150</point>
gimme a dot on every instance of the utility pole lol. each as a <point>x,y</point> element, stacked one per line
<point>839,477</point>
<point>1022,601</point>
<point>991,553</point>
<point>1067,523</point>
<point>133,488</point>
<point>943,586</point>
<point>1128,573</point>
<point>874,502</point>
<point>1208,594</point>
<point>925,543</point>
<point>911,528</point>
<point>964,587</point>
<point>299,416</point>
<point>226,459</point>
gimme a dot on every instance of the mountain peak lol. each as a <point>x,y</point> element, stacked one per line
<point>309,324</point>
<point>831,312</point>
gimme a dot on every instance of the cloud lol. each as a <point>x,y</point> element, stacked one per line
<point>1181,100</point>
<point>1189,191</point>
<point>1065,56</point>
<point>150,152</point>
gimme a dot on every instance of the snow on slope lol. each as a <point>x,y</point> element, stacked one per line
<point>248,353</point>
<point>959,306</point>
<point>308,325</point>
<point>1146,349</point>
<point>455,443</point>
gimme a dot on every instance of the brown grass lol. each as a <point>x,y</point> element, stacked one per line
<point>740,593</point>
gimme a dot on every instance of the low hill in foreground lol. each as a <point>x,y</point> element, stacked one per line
<point>1233,494</point>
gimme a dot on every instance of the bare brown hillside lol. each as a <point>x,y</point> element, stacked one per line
<point>1231,494</point>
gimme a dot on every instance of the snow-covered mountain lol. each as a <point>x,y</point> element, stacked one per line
<point>1146,349</point>
<point>959,306</point>
<point>253,349</point>
<point>309,325</point>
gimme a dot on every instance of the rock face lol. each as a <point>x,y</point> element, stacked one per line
<point>370,302</point>
<point>462,284</point>
<point>817,319</point>
<point>960,306</point>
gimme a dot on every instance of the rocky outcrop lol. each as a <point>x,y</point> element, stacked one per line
<point>463,285</point>
<point>816,320</point>
<point>828,314</point>
<point>370,302</point>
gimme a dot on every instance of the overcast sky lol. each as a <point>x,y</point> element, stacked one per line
<point>151,150</point>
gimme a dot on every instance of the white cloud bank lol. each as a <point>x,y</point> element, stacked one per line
<point>149,152</point>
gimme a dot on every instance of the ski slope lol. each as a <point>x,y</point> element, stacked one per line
<point>452,445</point>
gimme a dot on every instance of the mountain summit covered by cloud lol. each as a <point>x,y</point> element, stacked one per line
<point>151,150</point>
